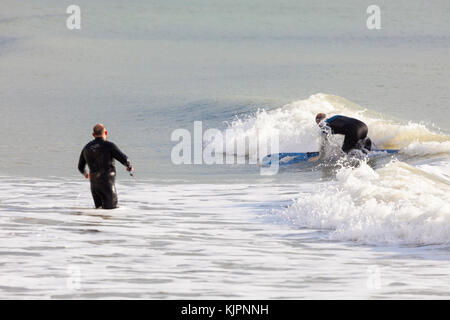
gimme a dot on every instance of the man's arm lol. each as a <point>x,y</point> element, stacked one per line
<point>82,165</point>
<point>120,156</point>
<point>325,132</point>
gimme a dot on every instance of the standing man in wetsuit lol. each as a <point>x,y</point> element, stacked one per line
<point>355,131</point>
<point>99,155</point>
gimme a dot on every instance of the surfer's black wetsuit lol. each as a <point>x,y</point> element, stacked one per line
<point>355,132</point>
<point>99,156</point>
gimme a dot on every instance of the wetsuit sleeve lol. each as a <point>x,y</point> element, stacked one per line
<point>325,132</point>
<point>120,156</point>
<point>82,164</point>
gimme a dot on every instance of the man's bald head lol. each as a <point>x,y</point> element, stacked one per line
<point>320,117</point>
<point>99,130</point>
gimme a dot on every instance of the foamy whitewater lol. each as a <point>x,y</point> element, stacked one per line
<point>339,228</point>
<point>403,201</point>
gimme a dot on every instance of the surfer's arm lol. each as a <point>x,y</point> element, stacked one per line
<point>326,131</point>
<point>121,157</point>
<point>82,165</point>
<point>323,146</point>
<point>321,153</point>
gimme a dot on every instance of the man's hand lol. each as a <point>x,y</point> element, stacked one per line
<point>314,158</point>
<point>87,175</point>
<point>130,169</point>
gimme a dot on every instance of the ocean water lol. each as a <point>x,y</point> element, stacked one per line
<point>376,229</point>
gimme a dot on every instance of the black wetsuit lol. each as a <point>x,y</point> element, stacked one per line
<point>355,132</point>
<point>99,156</point>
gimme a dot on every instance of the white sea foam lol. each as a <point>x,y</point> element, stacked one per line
<point>427,148</point>
<point>397,204</point>
<point>298,131</point>
<point>400,203</point>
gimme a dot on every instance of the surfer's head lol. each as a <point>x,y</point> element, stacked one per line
<point>99,131</point>
<point>320,117</point>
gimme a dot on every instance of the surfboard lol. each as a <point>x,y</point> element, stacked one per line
<point>287,158</point>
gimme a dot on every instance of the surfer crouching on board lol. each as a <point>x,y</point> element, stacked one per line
<point>354,130</point>
<point>99,155</point>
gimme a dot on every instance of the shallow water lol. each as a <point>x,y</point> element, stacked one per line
<point>379,229</point>
<point>193,241</point>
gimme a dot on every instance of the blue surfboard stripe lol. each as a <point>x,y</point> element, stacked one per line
<point>305,156</point>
